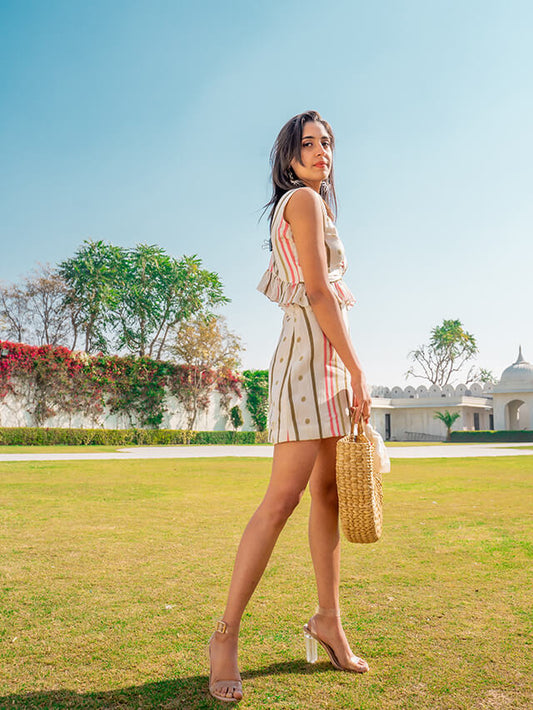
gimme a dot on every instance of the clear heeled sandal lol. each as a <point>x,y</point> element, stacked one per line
<point>311,646</point>
<point>218,688</point>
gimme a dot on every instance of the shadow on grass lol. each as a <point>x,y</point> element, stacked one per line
<point>185,693</point>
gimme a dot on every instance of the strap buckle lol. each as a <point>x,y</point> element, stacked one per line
<point>221,627</point>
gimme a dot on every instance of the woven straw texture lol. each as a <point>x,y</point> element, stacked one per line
<point>360,488</point>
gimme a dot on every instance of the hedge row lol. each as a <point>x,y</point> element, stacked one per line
<point>40,436</point>
<point>491,436</point>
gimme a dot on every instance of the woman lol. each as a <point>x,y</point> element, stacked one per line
<point>314,379</point>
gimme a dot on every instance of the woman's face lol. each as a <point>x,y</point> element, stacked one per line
<point>317,155</point>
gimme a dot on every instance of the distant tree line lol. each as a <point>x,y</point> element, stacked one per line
<point>110,299</point>
<point>135,311</point>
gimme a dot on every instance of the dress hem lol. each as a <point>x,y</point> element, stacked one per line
<point>304,437</point>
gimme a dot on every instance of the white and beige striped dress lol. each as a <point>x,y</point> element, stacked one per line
<point>309,388</point>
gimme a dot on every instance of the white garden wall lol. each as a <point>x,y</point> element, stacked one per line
<point>14,413</point>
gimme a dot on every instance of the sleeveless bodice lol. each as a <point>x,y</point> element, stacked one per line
<point>283,280</point>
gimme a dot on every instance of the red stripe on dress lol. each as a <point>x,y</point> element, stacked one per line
<point>288,259</point>
<point>293,256</point>
<point>332,391</point>
<point>327,384</point>
<point>340,290</point>
<point>279,259</point>
<point>344,293</point>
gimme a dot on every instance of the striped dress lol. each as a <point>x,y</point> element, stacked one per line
<point>309,388</point>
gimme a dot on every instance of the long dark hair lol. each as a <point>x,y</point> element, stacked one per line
<point>288,146</point>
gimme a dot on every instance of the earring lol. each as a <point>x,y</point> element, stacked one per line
<point>292,175</point>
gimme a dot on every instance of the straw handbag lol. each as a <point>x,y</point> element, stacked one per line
<point>359,485</point>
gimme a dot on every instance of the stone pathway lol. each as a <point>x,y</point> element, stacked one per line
<point>186,452</point>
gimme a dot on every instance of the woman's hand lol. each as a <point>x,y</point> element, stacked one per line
<point>362,400</point>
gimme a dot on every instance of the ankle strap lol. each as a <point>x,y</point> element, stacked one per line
<point>221,627</point>
<point>327,612</point>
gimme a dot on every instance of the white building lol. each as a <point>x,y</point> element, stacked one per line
<point>513,396</point>
<point>403,414</point>
<point>408,413</point>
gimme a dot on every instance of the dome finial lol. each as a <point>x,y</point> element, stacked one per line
<point>518,377</point>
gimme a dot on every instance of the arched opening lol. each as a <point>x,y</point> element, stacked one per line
<point>512,415</point>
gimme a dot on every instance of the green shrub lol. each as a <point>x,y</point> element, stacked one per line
<point>491,436</point>
<point>256,385</point>
<point>235,416</point>
<point>42,436</point>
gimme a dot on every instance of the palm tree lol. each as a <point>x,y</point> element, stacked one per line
<point>448,420</point>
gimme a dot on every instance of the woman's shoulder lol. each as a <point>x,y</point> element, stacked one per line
<point>302,201</point>
<point>303,196</point>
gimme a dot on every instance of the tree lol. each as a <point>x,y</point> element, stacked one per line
<point>449,349</point>
<point>256,385</point>
<point>35,311</point>
<point>448,420</point>
<point>91,279</point>
<point>50,315</point>
<point>205,347</point>
<point>14,313</point>
<point>486,376</point>
<point>157,292</point>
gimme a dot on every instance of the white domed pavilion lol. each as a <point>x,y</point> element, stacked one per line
<point>408,413</point>
<point>513,396</point>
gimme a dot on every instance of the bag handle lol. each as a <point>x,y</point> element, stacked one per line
<point>360,431</point>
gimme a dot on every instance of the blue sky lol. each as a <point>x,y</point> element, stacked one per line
<point>152,122</point>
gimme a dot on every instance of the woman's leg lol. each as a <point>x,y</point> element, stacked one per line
<point>324,541</point>
<point>291,468</point>
<point>324,537</point>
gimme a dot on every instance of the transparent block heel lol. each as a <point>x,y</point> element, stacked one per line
<point>311,648</point>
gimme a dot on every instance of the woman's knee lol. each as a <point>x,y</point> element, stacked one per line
<point>324,493</point>
<point>279,508</point>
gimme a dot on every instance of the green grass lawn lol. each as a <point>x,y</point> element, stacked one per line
<point>114,572</point>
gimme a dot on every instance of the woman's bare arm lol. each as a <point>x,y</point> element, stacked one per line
<point>304,213</point>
